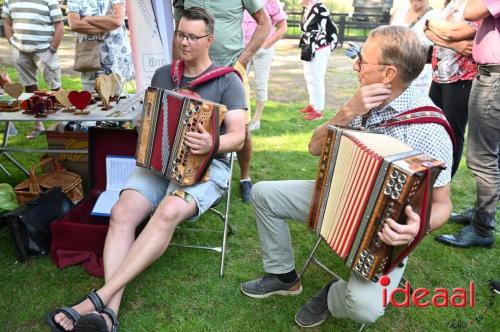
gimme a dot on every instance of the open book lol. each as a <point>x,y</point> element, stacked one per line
<point>118,170</point>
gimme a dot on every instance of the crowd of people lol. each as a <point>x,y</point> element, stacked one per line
<point>426,58</point>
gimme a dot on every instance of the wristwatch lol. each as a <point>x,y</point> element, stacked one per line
<point>52,50</point>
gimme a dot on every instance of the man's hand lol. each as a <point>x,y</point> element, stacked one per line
<point>199,142</point>
<point>395,234</point>
<point>366,98</point>
<point>463,47</point>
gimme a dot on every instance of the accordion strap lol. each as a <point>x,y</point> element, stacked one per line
<point>425,114</point>
<point>177,71</point>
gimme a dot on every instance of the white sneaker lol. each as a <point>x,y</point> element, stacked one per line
<point>254,125</point>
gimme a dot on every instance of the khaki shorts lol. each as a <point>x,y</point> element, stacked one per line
<point>243,72</point>
<point>27,65</point>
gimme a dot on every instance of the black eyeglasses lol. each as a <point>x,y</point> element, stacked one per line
<point>354,52</point>
<point>191,38</point>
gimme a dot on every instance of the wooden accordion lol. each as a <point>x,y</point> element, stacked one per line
<point>364,178</point>
<point>167,116</point>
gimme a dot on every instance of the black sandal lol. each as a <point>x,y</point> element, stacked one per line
<point>72,313</point>
<point>97,323</point>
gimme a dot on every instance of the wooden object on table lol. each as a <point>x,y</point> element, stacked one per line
<point>13,89</point>
<point>103,88</point>
<point>80,99</point>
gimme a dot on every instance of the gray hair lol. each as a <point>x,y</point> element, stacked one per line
<point>402,49</point>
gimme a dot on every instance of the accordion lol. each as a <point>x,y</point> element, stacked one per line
<point>364,178</point>
<point>167,116</point>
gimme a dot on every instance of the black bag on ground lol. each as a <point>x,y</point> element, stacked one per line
<point>30,224</point>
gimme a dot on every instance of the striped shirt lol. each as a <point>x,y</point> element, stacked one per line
<point>32,23</point>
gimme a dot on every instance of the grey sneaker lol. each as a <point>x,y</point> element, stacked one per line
<point>270,285</point>
<point>315,311</point>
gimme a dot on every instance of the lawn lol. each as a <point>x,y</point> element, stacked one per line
<point>183,290</point>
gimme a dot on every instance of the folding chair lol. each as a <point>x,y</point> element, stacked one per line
<point>312,259</point>
<point>222,214</point>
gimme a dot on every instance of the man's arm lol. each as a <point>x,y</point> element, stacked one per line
<point>200,142</point>
<point>58,35</point>
<point>258,37</point>
<point>108,22</point>
<point>365,99</point>
<point>396,234</point>
<point>475,10</point>
<point>451,31</point>
<point>280,31</point>
<point>78,25</point>
<point>463,47</point>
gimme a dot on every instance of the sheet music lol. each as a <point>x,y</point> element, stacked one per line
<point>118,170</point>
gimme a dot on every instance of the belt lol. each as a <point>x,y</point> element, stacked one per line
<point>488,69</point>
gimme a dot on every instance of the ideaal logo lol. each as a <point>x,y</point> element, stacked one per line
<point>422,297</point>
<point>439,298</point>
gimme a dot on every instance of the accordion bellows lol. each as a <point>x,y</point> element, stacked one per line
<point>166,118</point>
<point>364,178</point>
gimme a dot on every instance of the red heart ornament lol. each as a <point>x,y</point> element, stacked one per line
<point>80,99</point>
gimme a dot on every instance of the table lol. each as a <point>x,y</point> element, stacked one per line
<point>128,109</point>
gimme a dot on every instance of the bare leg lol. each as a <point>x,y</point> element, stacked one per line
<point>259,108</point>
<point>131,210</point>
<point>245,154</point>
<point>149,246</point>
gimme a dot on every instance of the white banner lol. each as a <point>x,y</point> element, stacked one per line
<point>151,29</point>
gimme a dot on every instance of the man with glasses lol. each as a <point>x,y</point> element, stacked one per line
<point>148,194</point>
<point>390,60</point>
<point>228,49</point>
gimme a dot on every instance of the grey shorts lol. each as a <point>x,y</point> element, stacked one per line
<point>155,187</point>
<point>27,65</point>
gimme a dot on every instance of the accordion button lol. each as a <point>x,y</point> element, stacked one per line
<point>395,195</point>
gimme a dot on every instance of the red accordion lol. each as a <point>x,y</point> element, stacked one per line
<point>167,116</point>
<point>364,178</point>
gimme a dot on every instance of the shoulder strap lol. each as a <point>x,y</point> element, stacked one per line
<point>177,70</point>
<point>425,114</point>
<point>412,24</point>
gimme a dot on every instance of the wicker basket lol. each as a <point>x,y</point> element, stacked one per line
<point>69,182</point>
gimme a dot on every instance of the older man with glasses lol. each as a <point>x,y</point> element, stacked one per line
<point>390,60</point>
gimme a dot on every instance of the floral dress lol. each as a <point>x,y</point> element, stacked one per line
<point>115,50</point>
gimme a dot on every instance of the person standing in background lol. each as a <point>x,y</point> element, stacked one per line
<point>103,19</point>
<point>263,59</point>
<point>318,39</point>
<point>34,29</point>
<point>453,68</point>
<point>413,16</point>
<point>483,139</point>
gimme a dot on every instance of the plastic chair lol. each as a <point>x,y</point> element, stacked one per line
<point>221,210</point>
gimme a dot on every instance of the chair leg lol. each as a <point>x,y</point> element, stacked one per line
<point>226,218</point>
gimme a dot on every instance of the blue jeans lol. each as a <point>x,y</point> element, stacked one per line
<point>484,147</point>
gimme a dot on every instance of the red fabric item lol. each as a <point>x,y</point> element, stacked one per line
<point>78,237</point>
<point>90,261</point>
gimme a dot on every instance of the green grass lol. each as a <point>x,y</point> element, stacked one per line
<point>183,291</point>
